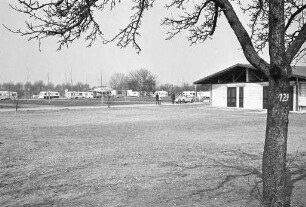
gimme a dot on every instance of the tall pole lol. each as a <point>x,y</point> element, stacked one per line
<point>48,89</point>
<point>195,88</point>
<point>101,90</point>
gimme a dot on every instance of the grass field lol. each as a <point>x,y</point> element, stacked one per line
<point>181,155</point>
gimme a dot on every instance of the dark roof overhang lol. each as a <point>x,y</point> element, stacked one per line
<point>297,72</point>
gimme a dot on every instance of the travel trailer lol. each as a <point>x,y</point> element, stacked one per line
<point>133,93</point>
<point>48,95</point>
<point>189,93</point>
<point>74,95</point>
<point>8,95</point>
<point>162,93</point>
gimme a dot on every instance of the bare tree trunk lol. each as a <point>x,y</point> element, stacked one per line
<point>274,156</point>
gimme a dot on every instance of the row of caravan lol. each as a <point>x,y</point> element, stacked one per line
<point>95,93</point>
<point>68,95</point>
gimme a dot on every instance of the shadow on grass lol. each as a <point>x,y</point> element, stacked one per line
<point>237,170</point>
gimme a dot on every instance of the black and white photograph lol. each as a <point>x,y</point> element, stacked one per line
<point>146,103</point>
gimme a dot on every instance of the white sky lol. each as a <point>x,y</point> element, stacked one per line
<point>172,61</point>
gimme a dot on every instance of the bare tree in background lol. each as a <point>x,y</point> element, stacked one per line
<point>277,24</point>
<point>142,80</point>
<point>118,81</point>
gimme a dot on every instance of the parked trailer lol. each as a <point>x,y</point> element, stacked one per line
<point>79,95</point>
<point>161,93</point>
<point>74,95</point>
<point>8,95</point>
<point>48,95</point>
<point>189,93</point>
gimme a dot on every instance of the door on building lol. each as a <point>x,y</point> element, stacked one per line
<point>291,98</point>
<point>265,97</point>
<point>266,94</point>
<point>231,97</point>
<point>241,97</point>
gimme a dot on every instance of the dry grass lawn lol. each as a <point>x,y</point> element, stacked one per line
<point>182,155</point>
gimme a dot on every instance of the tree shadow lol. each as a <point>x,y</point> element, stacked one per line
<point>296,172</point>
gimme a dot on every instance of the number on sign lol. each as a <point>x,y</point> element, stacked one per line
<point>283,97</point>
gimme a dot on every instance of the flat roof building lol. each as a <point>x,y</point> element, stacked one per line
<point>244,86</point>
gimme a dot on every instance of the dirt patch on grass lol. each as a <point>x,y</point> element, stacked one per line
<point>187,155</point>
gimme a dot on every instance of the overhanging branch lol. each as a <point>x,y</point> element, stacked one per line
<point>243,37</point>
<point>296,45</point>
<point>294,15</point>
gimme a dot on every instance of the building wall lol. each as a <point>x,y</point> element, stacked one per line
<point>253,95</point>
<point>219,95</point>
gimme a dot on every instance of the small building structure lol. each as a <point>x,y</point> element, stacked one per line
<point>119,93</point>
<point>243,86</point>
<point>99,91</point>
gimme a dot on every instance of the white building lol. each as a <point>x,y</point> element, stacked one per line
<point>243,86</point>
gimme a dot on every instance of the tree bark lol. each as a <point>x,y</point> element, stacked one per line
<point>274,156</point>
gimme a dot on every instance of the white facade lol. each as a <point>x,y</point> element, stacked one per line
<point>244,86</point>
<point>252,97</point>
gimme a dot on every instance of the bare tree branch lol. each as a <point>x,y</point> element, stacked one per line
<point>191,21</point>
<point>294,15</point>
<point>128,35</point>
<point>243,37</point>
<point>296,45</point>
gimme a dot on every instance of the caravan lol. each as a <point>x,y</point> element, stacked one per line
<point>8,95</point>
<point>162,94</point>
<point>189,93</point>
<point>48,95</point>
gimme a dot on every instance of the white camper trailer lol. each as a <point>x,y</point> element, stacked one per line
<point>189,93</point>
<point>48,95</point>
<point>8,95</point>
<point>161,94</point>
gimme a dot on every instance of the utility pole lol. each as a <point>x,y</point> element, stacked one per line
<point>71,81</point>
<point>48,88</point>
<point>101,90</point>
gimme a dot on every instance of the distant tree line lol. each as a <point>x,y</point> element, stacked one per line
<point>141,80</point>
